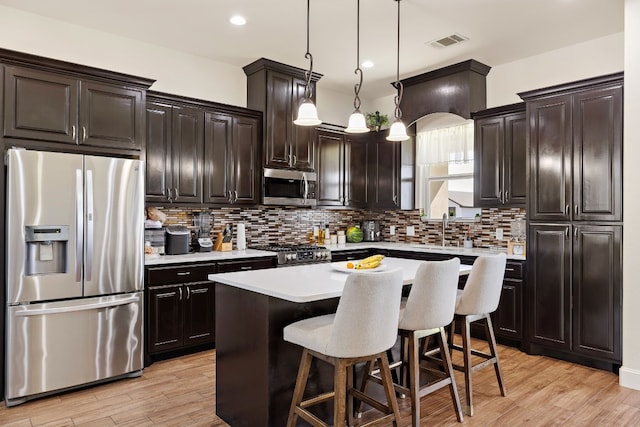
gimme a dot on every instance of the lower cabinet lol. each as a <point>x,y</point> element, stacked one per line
<point>507,319</point>
<point>180,305</point>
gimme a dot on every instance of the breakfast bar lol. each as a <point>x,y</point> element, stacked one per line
<point>255,368</point>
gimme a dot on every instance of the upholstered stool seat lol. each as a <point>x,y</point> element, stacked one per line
<point>362,330</point>
<point>425,313</point>
<point>480,298</point>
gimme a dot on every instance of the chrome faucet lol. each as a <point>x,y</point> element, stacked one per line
<point>445,222</point>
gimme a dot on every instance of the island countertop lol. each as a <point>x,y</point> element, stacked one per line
<point>311,282</point>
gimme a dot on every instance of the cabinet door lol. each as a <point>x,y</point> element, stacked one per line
<point>597,155</point>
<point>383,174</point>
<point>548,284</point>
<point>199,313</point>
<point>111,117</point>
<point>488,163</point>
<point>507,318</point>
<point>40,106</point>
<point>165,318</point>
<point>187,150</point>
<point>244,160</point>
<point>217,158</point>
<point>279,119</point>
<point>158,158</point>
<point>302,143</point>
<point>515,160</point>
<point>355,160</point>
<point>597,301</point>
<point>550,138</point>
<point>331,168</point>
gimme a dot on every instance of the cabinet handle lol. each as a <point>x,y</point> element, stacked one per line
<point>188,293</point>
<point>509,269</point>
<point>295,160</point>
<point>506,196</point>
<point>395,200</point>
<point>566,233</point>
<point>235,196</point>
<point>246,267</point>
<point>180,292</point>
<point>73,132</point>
<point>575,233</point>
<point>175,193</point>
<point>183,273</point>
<point>229,199</point>
<point>576,209</point>
<point>169,195</point>
<point>499,196</point>
<point>84,133</point>
<point>290,163</point>
<point>566,209</point>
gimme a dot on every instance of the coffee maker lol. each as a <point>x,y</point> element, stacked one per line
<point>371,231</point>
<point>203,224</point>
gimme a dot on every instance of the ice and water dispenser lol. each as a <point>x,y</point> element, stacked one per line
<point>47,248</point>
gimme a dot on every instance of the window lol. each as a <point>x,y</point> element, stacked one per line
<point>444,168</point>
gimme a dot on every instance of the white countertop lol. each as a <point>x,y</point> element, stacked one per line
<point>311,282</point>
<point>252,253</point>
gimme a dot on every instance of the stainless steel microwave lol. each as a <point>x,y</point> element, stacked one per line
<point>288,187</point>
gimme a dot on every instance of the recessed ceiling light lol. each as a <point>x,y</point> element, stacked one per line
<point>367,64</point>
<point>237,20</point>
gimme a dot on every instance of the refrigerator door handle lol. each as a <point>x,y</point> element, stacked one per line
<point>89,261</point>
<point>79,225</point>
<point>83,307</point>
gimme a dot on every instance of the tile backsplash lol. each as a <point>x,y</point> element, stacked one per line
<point>268,224</point>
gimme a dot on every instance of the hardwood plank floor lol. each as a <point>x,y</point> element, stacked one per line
<point>181,392</point>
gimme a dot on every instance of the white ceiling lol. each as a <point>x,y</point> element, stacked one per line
<point>500,31</point>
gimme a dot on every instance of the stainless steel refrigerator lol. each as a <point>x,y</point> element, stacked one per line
<point>74,258</point>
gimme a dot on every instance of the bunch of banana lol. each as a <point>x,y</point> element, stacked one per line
<point>369,262</point>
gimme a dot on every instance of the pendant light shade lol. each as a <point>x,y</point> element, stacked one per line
<point>398,131</point>
<point>357,123</point>
<point>307,112</point>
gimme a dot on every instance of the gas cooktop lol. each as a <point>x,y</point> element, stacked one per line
<point>297,253</point>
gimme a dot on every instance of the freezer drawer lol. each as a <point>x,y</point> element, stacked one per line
<point>53,346</point>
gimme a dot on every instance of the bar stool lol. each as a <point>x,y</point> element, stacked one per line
<point>476,302</point>
<point>428,309</point>
<point>362,329</point>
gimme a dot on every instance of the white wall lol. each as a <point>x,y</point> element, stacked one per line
<point>630,371</point>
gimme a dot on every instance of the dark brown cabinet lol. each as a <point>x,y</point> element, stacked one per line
<point>507,319</point>
<point>48,106</point>
<point>383,173</point>
<point>277,90</point>
<point>232,171</point>
<point>575,273</point>
<point>500,156</point>
<point>576,152</point>
<point>174,153</point>
<point>341,168</point>
<point>180,307</point>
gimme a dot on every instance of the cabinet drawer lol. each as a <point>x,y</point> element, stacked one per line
<point>179,274</point>
<point>255,264</point>
<point>514,270</point>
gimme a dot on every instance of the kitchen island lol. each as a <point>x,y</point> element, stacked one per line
<point>255,368</point>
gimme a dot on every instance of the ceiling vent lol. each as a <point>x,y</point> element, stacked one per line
<point>447,41</point>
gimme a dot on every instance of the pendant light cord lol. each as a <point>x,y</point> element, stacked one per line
<point>358,70</point>
<point>399,86</point>
<point>308,74</point>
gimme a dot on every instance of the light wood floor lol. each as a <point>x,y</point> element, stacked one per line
<point>181,392</point>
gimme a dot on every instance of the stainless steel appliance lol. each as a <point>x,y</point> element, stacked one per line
<point>297,254</point>
<point>371,231</point>
<point>203,223</point>
<point>74,281</point>
<point>289,187</point>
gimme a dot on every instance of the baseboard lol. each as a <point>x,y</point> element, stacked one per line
<point>630,378</point>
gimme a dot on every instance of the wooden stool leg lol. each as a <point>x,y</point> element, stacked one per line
<point>466,352</point>
<point>363,388</point>
<point>389,391</point>
<point>350,374</point>
<point>494,353</point>
<point>340,390</point>
<point>446,358</point>
<point>414,377</point>
<point>301,382</point>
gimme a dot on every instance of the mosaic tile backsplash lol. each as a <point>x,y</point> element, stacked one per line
<point>288,225</point>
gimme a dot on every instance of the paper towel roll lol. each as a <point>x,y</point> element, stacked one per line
<point>241,239</point>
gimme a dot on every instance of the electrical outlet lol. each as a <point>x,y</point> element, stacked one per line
<point>411,231</point>
<point>499,233</point>
<point>392,230</point>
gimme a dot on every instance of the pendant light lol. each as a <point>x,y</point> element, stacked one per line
<point>357,123</point>
<point>307,112</point>
<point>398,131</point>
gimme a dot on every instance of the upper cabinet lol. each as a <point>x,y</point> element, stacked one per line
<point>277,90</point>
<point>500,156</point>
<point>201,152</point>
<point>383,172</point>
<point>53,101</point>
<point>575,137</point>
